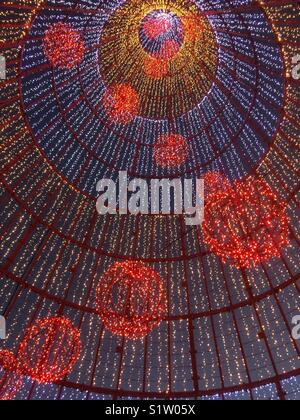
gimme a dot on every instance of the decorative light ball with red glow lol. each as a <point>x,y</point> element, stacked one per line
<point>193,27</point>
<point>131,300</point>
<point>170,151</point>
<point>155,68</point>
<point>64,46</point>
<point>50,349</point>
<point>215,182</point>
<point>157,25</point>
<point>246,225</point>
<point>10,377</point>
<point>161,34</point>
<point>121,103</point>
<point>169,50</point>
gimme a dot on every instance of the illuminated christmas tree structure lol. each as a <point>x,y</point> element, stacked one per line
<point>123,306</point>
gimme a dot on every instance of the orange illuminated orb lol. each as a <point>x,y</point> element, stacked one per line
<point>64,46</point>
<point>170,151</point>
<point>121,103</point>
<point>155,68</point>
<point>193,28</point>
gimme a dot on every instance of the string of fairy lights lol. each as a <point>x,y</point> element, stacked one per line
<point>224,100</point>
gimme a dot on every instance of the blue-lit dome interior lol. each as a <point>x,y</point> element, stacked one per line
<point>217,74</point>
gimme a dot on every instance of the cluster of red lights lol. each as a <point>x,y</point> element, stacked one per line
<point>131,299</point>
<point>169,50</point>
<point>64,46</point>
<point>10,377</point>
<point>215,182</point>
<point>157,26</point>
<point>246,225</point>
<point>193,28</point>
<point>170,151</point>
<point>156,68</point>
<point>121,103</point>
<point>49,350</point>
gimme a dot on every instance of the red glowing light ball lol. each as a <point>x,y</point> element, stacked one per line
<point>10,378</point>
<point>169,50</point>
<point>246,225</point>
<point>64,46</point>
<point>157,26</point>
<point>170,151</point>
<point>131,299</point>
<point>121,103</point>
<point>215,182</point>
<point>156,69</point>
<point>50,349</point>
<point>193,28</point>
